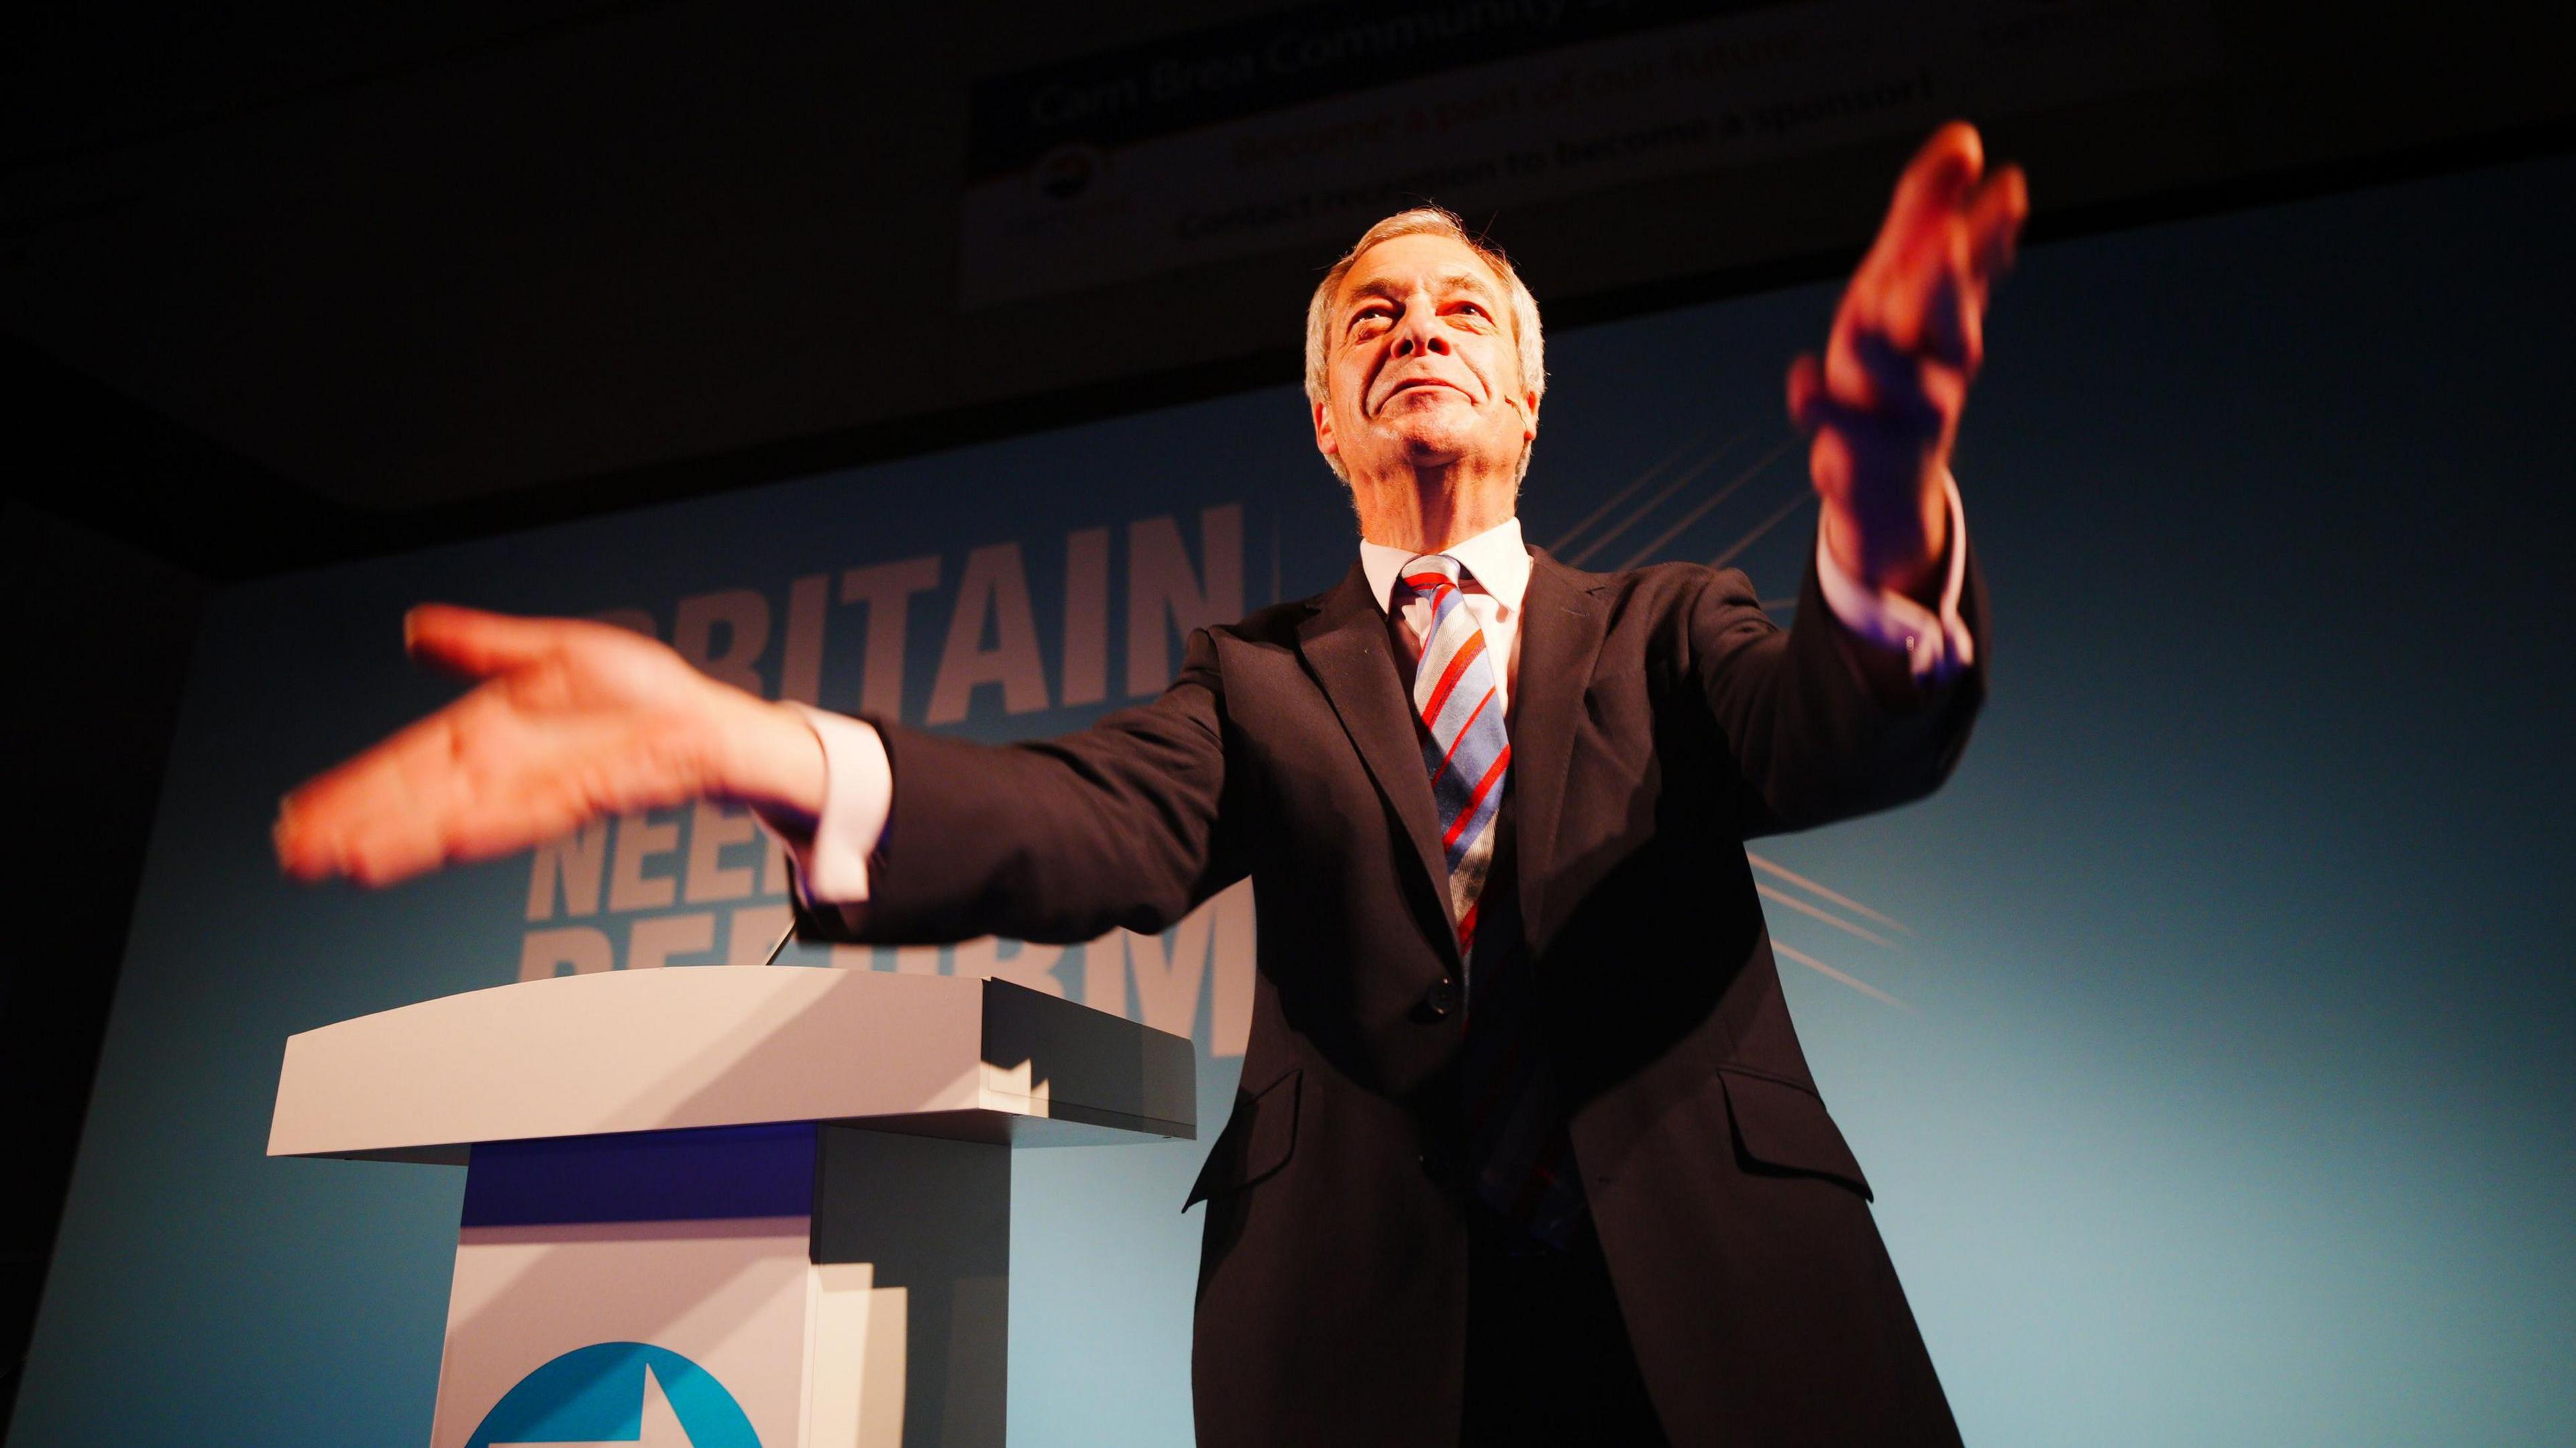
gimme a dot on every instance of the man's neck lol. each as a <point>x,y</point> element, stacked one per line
<point>1428,510</point>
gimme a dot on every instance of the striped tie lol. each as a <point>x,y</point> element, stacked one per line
<point>1516,1135</point>
<point>1463,744</point>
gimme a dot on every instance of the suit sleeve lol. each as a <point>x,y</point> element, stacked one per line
<point>1823,724</point>
<point>1121,824</point>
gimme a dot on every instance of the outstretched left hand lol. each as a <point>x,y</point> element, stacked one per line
<point>1884,403</point>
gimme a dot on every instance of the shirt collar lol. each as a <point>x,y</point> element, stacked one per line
<point>1495,558</point>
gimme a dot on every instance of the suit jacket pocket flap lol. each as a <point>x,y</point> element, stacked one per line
<point>1785,1127</point>
<point>1255,1142</point>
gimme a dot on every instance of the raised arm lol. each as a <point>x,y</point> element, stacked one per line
<point>1058,840</point>
<point>1867,701</point>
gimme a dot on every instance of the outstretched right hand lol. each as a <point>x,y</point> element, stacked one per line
<point>574,721</point>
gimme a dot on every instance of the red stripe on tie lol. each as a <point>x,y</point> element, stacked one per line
<point>1467,927</point>
<point>1429,585</point>
<point>1458,662</point>
<point>1477,798</point>
<point>1462,736</point>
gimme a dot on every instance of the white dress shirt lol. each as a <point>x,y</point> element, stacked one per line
<point>858,793</point>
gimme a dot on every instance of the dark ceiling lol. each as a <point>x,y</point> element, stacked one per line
<point>326,280</point>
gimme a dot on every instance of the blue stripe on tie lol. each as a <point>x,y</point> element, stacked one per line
<point>1476,827</point>
<point>1474,682</point>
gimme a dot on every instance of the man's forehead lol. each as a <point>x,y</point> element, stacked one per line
<point>1400,263</point>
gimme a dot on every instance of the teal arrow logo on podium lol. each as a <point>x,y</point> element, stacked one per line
<point>631,1394</point>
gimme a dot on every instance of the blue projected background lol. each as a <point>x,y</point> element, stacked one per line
<point>2211,1040</point>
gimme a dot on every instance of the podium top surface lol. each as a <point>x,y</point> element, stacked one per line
<point>699,1046</point>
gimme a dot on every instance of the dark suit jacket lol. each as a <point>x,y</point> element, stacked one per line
<point>1660,718</point>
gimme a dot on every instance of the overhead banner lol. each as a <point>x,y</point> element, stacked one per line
<point>1306,126</point>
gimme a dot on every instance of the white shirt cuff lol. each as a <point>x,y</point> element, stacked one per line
<point>1936,645</point>
<point>858,792</point>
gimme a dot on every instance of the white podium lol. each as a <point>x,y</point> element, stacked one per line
<point>761,1207</point>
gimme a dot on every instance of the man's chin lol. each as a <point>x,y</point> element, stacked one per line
<point>1430,447</point>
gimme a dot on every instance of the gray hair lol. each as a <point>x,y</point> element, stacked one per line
<point>1530,343</point>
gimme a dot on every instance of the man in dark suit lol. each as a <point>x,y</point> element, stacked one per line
<point>1525,1148</point>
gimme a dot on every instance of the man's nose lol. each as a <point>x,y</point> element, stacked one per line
<point>1417,334</point>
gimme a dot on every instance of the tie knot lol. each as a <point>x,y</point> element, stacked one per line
<point>1432,572</point>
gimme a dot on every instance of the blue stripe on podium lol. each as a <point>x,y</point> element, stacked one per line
<point>644,1176</point>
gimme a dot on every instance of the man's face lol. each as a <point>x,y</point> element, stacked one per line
<point>1421,366</point>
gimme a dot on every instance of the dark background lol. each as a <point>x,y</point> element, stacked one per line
<point>313,284</point>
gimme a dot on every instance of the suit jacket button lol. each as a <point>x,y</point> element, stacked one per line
<point>1442,999</point>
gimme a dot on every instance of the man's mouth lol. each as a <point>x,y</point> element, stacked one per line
<point>1416,384</point>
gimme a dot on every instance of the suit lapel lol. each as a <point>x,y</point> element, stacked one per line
<point>1562,625</point>
<point>1345,643</point>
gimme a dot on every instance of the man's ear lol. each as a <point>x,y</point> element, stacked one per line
<point>1325,443</point>
<point>1529,417</point>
